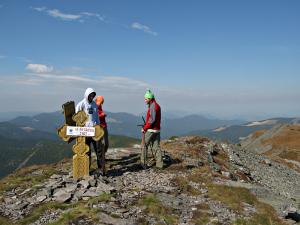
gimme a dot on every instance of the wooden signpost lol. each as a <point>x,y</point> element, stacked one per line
<point>78,132</point>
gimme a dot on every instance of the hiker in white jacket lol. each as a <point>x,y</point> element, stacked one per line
<point>91,109</point>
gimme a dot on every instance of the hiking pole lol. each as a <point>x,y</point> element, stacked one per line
<point>103,159</point>
<point>143,143</point>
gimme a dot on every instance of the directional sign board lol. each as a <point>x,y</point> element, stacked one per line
<point>80,131</point>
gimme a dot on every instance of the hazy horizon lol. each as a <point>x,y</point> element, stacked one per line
<point>225,59</point>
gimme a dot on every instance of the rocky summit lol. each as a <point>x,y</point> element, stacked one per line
<point>203,182</point>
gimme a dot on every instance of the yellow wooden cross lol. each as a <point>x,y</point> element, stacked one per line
<point>80,148</point>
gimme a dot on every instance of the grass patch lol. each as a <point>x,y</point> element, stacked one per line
<point>160,212</point>
<point>233,197</point>
<point>101,198</point>
<point>258,219</point>
<point>182,182</point>
<point>4,221</point>
<point>292,154</point>
<point>37,212</point>
<point>76,213</point>
<point>200,218</point>
<point>24,178</point>
<point>201,175</point>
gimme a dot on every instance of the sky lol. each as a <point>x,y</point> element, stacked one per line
<point>227,59</point>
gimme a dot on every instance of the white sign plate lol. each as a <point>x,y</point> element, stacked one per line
<point>80,131</point>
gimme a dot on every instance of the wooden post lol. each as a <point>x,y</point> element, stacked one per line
<point>80,148</point>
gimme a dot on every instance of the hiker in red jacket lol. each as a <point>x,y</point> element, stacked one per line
<point>151,130</point>
<point>103,142</point>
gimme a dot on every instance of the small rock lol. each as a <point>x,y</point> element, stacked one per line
<point>8,200</point>
<point>105,188</point>
<point>90,194</point>
<point>63,197</point>
<point>215,167</point>
<point>21,205</point>
<point>226,174</point>
<point>26,191</point>
<point>85,184</point>
<point>71,188</point>
<point>92,182</point>
<point>45,192</point>
<point>267,162</point>
<point>41,198</point>
<point>55,176</point>
<point>78,194</point>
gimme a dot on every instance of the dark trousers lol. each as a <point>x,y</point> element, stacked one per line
<point>90,142</point>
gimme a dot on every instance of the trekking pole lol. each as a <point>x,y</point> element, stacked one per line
<point>103,160</point>
<point>143,149</point>
<point>143,143</point>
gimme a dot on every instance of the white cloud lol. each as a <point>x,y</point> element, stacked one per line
<point>143,28</point>
<point>84,16</point>
<point>39,68</point>
<point>47,91</point>
<point>63,16</point>
<point>97,15</point>
<point>105,82</point>
<point>3,57</point>
<point>39,9</point>
<point>80,17</point>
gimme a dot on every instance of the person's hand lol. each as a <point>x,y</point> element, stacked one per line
<point>143,131</point>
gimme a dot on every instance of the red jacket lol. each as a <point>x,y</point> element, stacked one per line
<point>102,116</point>
<point>153,116</point>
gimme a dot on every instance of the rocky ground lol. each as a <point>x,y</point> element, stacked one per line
<point>204,182</point>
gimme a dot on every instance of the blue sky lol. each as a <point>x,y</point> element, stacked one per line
<point>223,58</point>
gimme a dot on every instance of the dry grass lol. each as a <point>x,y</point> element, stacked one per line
<point>183,183</point>
<point>222,160</point>
<point>78,212</point>
<point>291,154</point>
<point>25,178</point>
<point>258,133</point>
<point>233,197</point>
<point>155,208</point>
<point>286,144</point>
<point>40,210</point>
<point>200,218</point>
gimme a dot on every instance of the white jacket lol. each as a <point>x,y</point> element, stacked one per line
<point>91,109</point>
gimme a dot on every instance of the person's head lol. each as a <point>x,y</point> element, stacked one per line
<point>99,100</point>
<point>89,94</point>
<point>148,96</point>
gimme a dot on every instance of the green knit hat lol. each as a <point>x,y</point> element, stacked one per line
<point>149,95</point>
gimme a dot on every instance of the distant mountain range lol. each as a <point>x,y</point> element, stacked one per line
<point>28,140</point>
<point>126,124</point>
<point>236,133</point>
<point>32,140</point>
<point>5,116</point>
